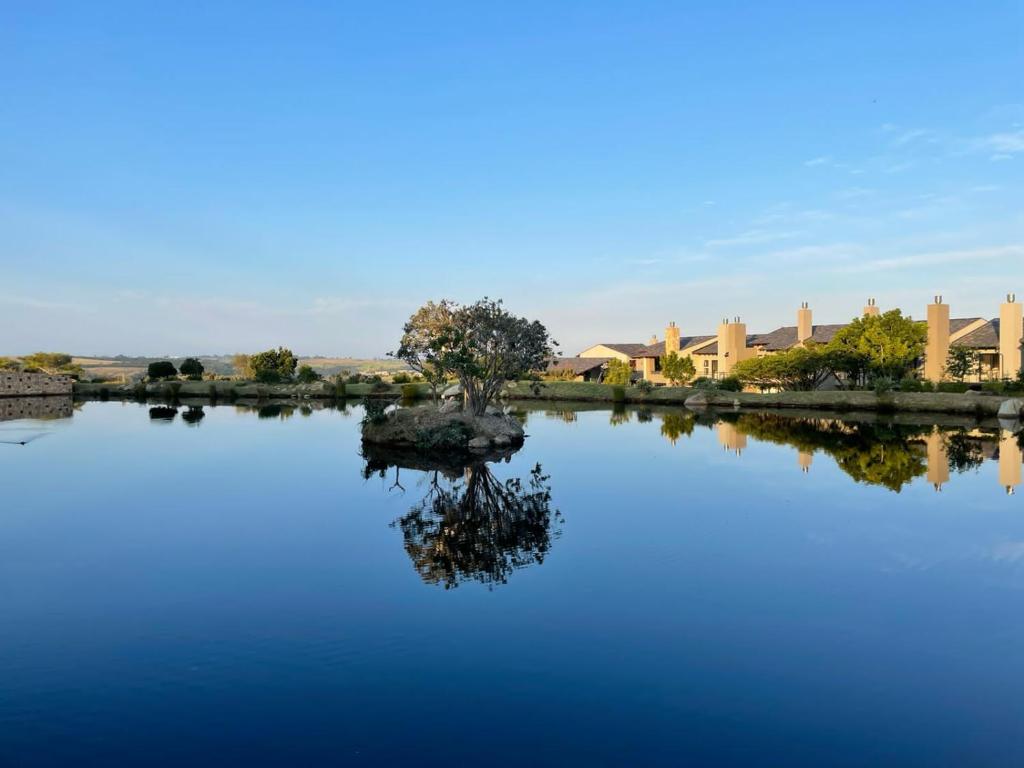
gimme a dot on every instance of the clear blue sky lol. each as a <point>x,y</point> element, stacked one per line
<point>211,177</point>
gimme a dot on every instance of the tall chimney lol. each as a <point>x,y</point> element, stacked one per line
<point>653,340</point>
<point>937,348</point>
<point>1010,330</point>
<point>732,344</point>
<point>671,338</point>
<point>804,329</point>
<point>870,310</point>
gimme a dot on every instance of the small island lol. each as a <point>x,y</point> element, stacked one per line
<point>482,346</point>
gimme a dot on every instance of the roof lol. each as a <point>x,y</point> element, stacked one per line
<point>985,337</point>
<point>785,337</point>
<point>578,365</point>
<point>658,349</point>
<point>626,349</point>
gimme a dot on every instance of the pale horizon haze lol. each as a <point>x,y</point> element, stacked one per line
<point>209,178</point>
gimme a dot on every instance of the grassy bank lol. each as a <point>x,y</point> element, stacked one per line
<point>246,390</point>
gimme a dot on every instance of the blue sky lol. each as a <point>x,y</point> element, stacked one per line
<point>217,177</point>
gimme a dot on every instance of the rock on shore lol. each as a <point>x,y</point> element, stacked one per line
<point>428,428</point>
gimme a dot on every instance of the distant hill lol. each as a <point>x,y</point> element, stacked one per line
<point>123,365</point>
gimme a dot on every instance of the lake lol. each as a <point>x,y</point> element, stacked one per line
<point>240,586</point>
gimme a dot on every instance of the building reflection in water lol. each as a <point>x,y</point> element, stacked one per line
<point>469,525</point>
<point>876,452</point>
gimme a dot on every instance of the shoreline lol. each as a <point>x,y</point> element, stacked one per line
<point>963,404</point>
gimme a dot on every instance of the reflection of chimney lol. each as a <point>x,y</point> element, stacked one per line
<point>730,438</point>
<point>938,459</point>
<point>870,310</point>
<point>804,459</point>
<point>937,348</point>
<point>1009,461</point>
<point>1010,331</point>
<point>803,323</point>
<point>671,338</point>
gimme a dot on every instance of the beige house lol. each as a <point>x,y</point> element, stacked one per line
<point>997,343</point>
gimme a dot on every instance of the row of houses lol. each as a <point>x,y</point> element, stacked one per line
<point>997,342</point>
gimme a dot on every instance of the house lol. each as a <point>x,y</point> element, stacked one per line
<point>581,368</point>
<point>997,343</point>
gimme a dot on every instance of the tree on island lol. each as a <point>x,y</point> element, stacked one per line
<point>192,369</point>
<point>618,373</point>
<point>274,365</point>
<point>423,343</point>
<point>678,369</point>
<point>161,369</point>
<point>481,344</point>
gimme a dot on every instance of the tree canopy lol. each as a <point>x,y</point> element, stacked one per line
<point>273,365</point>
<point>960,362</point>
<point>880,345</point>
<point>801,368</point>
<point>678,369</point>
<point>192,368</point>
<point>618,373</point>
<point>161,369</point>
<point>481,344</point>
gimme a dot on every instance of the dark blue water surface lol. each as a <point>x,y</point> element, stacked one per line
<point>664,590</point>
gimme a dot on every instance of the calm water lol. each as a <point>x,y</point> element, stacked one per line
<point>241,587</point>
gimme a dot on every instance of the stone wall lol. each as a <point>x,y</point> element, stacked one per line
<point>12,408</point>
<point>32,384</point>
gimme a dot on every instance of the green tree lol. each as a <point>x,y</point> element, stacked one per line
<point>306,375</point>
<point>618,373</point>
<point>960,362</point>
<point>423,343</point>
<point>886,345</point>
<point>161,369</point>
<point>192,369</point>
<point>273,365</point>
<point>678,369</point>
<point>801,368</point>
<point>482,345</point>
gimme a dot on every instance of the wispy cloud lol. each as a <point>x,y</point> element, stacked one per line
<point>937,258</point>
<point>751,237</point>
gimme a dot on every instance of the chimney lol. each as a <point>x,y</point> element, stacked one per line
<point>671,338</point>
<point>653,340</point>
<point>870,310</point>
<point>732,344</point>
<point>937,348</point>
<point>1010,330</point>
<point>804,329</point>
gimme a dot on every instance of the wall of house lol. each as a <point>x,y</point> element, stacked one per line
<point>600,350</point>
<point>30,384</point>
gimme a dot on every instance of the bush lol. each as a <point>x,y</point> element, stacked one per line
<point>451,436</point>
<point>267,376</point>
<point>952,386</point>
<point>702,382</point>
<point>618,394</point>
<point>192,369</point>
<point>911,385</point>
<point>993,387</point>
<point>645,386</point>
<point>380,386</point>
<point>401,378</point>
<point>307,375</point>
<point>274,365</point>
<point>339,389</point>
<point>410,392</point>
<point>162,369</point>
<point>374,411</point>
<point>882,385</point>
<point>730,384</point>
<point>354,378</point>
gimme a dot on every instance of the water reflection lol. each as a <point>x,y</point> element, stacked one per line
<point>470,525</point>
<point>46,408</point>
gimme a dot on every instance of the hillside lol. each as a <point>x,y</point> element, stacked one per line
<point>123,365</point>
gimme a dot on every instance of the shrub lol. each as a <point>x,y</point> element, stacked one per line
<point>401,378</point>
<point>162,369</point>
<point>618,373</point>
<point>993,387</point>
<point>339,388</point>
<point>410,392</point>
<point>273,365</point>
<point>730,384</point>
<point>354,378</point>
<point>267,376</point>
<point>702,382</point>
<point>453,435</point>
<point>307,375</point>
<point>380,387</point>
<point>192,369</point>
<point>645,386</point>
<point>882,385</point>
<point>911,385</point>
<point>952,386</point>
<point>374,411</point>
<point>618,394</point>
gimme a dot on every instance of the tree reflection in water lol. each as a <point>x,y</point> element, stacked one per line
<point>471,526</point>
